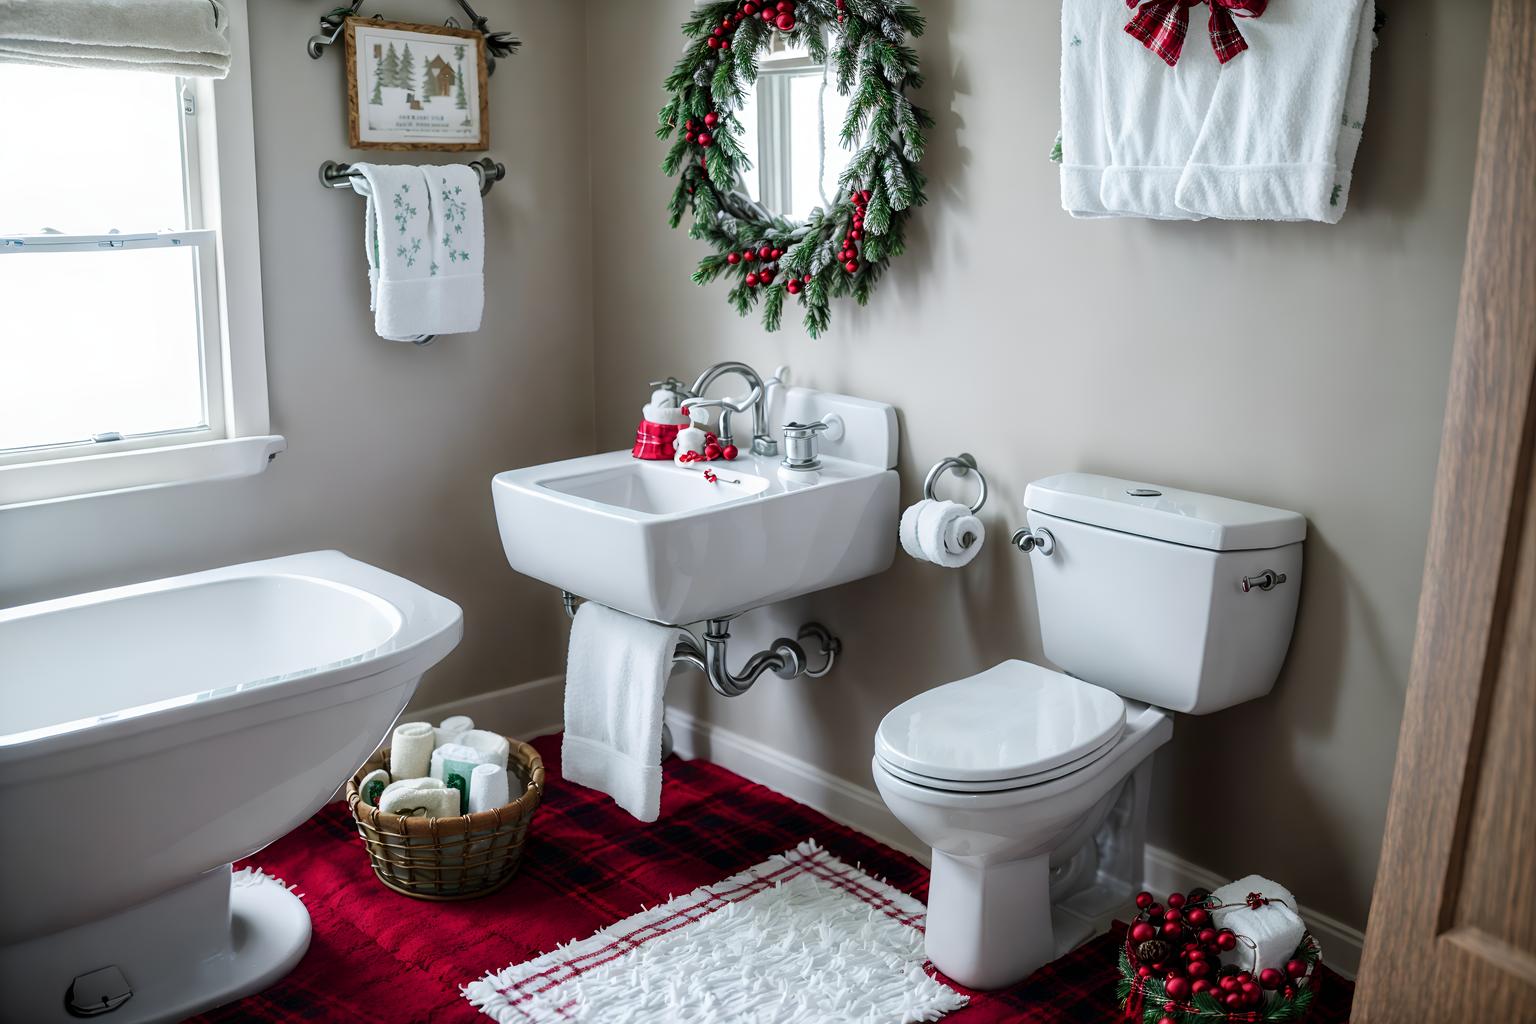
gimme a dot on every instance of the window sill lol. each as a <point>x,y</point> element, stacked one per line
<point>86,476</point>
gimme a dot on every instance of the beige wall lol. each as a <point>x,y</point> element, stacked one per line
<point>1299,365</point>
<point>390,448</point>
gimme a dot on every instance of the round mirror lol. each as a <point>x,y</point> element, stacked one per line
<point>791,120</point>
<point>795,148</point>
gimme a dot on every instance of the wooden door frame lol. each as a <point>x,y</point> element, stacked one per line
<point>1419,962</point>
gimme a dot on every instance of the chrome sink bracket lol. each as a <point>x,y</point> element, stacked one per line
<point>785,657</point>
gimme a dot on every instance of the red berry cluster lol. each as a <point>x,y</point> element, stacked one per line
<point>700,134</point>
<point>1178,941</point>
<point>779,15</point>
<point>713,450</point>
<point>767,255</point>
<point>849,256</point>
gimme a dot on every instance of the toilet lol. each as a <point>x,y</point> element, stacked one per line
<point>1030,783</point>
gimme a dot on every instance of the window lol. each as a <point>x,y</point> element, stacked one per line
<point>130,353</point>
<point>792,127</point>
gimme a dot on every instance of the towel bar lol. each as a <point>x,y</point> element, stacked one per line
<point>334,174</point>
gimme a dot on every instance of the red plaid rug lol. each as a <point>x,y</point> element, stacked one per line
<point>383,957</point>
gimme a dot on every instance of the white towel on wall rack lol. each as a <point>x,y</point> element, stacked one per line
<point>424,236</point>
<point>1270,135</point>
<point>1287,116</point>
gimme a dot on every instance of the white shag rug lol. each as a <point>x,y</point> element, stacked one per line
<point>800,937</point>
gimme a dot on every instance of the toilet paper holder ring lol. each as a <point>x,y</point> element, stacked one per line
<point>963,464</point>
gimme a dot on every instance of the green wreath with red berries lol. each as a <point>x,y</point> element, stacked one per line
<point>839,250</point>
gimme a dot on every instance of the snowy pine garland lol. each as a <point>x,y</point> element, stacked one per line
<point>842,249</point>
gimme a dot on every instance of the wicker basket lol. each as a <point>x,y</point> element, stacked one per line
<point>450,858</point>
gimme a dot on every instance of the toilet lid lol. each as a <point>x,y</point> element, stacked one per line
<point>1012,721</point>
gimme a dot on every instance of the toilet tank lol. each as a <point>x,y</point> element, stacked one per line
<point>1143,593</point>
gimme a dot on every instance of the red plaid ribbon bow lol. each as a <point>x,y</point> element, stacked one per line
<point>1161,25</point>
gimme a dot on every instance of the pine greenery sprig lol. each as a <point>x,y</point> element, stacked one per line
<point>864,43</point>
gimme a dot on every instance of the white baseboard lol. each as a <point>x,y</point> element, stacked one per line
<point>536,707</point>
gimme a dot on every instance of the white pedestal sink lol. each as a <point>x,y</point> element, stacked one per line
<point>661,542</point>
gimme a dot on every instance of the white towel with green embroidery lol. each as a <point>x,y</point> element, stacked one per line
<point>456,258</point>
<point>425,240</point>
<point>1285,121</point>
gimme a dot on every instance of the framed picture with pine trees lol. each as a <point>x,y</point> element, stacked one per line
<point>415,87</point>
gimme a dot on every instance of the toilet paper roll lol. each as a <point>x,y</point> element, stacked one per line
<point>373,785</point>
<point>410,750</point>
<point>488,788</point>
<point>492,747</point>
<point>453,764</point>
<point>451,729</point>
<point>936,531</point>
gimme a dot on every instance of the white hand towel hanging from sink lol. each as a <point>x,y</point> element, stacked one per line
<point>615,680</point>
<point>425,241</point>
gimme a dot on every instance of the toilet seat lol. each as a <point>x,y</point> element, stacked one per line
<point>999,785</point>
<point>1012,726</point>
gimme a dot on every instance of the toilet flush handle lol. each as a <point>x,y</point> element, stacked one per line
<point>1039,539</point>
<point>1266,580</point>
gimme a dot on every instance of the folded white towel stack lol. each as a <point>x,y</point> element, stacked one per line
<point>420,798</point>
<point>451,728</point>
<point>174,37</point>
<point>488,788</point>
<point>410,750</point>
<point>373,786</point>
<point>1285,121</point>
<point>424,235</point>
<point>1275,928</point>
<point>616,676</point>
<point>1270,135</point>
<point>492,748</point>
<point>945,533</point>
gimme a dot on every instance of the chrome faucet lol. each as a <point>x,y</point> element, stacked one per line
<point>762,442</point>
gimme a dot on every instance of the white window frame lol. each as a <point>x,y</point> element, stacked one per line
<point>237,441</point>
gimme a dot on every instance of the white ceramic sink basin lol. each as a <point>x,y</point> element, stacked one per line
<point>657,489</point>
<point>660,541</point>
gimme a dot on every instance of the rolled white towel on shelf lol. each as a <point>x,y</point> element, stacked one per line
<point>373,786</point>
<point>493,748</point>
<point>488,788</point>
<point>453,764</point>
<point>410,750</point>
<point>451,728</point>
<point>420,798</point>
<point>1275,928</point>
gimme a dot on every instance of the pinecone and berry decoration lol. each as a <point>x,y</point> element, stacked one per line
<point>1240,953</point>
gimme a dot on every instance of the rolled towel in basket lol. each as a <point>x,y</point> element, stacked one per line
<point>410,751</point>
<point>373,786</point>
<point>453,764</point>
<point>493,748</point>
<point>420,798</point>
<point>488,788</point>
<point>451,728</point>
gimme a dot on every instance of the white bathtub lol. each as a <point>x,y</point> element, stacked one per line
<point>152,734</point>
